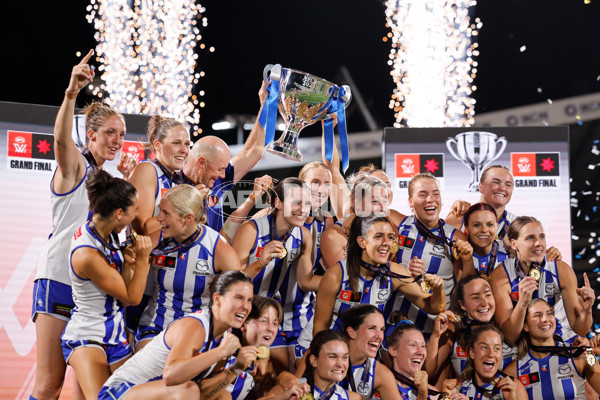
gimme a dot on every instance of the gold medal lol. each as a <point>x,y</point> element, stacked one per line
<point>590,358</point>
<point>456,319</point>
<point>395,247</point>
<point>535,273</point>
<point>307,396</point>
<point>444,396</point>
<point>283,253</point>
<point>133,236</point>
<point>425,286</point>
<point>495,380</point>
<point>262,352</point>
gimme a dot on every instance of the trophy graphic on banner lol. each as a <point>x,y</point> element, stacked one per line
<point>476,150</point>
<point>302,100</point>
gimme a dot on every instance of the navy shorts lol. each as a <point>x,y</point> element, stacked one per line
<point>145,333</point>
<point>52,297</point>
<point>114,352</point>
<point>134,313</point>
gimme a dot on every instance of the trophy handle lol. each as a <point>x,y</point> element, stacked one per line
<point>454,153</point>
<point>347,95</point>
<point>502,141</point>
<point>272,71</point>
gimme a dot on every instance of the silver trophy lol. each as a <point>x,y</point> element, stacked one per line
<point>304,99</point>
<point>476,150</point>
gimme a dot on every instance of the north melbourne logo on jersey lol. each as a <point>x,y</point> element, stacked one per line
<point>409,165</point>
<point>536,170</point>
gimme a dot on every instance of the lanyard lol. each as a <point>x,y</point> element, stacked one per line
<point>442,239</point>
<point>164,248</point>
<point>174,177</point>
<point>90,158</point>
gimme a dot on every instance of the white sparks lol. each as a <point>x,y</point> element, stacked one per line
<point>432,58</point>
<point>147,52</point>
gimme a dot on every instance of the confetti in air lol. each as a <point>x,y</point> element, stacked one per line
<point>432,58</point>
<point>147,51</point>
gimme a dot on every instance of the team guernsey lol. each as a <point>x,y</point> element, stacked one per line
<point>279,276</point>
<point>148,364</point>
<point>362,378</point>
<point>482,263</point>
<point>436,256</point>
<point>339,393</point>
<point>551,377</point>
<point>182,277</point>
<point>241,387</point>
<point>69,211</point>
<point>408,393</point>
<point>316,229</point>
<point>97,316</point>
<point>485,392</point>
<point>549,289</point>
<point>163,183</point>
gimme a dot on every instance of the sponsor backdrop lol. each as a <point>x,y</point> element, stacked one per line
<point>537,156</point>
<point>26,168</point>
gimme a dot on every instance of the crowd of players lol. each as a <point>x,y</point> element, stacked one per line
<point>294,301</point>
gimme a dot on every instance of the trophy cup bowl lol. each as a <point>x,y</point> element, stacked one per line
<point>476,150</point>
<point>304,100</point>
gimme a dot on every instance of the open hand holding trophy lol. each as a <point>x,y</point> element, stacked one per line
<point>302,99</point>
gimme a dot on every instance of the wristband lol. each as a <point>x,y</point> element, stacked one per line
<point>71,95</point>
<point>261,266</point>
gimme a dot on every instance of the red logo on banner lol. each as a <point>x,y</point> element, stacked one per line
<point>523,164</point>
<point>134,149</point>
<point>19,144</point>
<point>407,165</point>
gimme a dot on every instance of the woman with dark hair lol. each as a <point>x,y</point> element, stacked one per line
<point>367,277</point>
<point>275,251</point>
<point>187,257</point>
<point>427,245</point>
<point>255,373</point>
<point>106,276</point>
<point>327,365</point>
<point>480,228</point>
<point>52,299</point>
<point>530,275</point>
<point>472,305</point>
<point>190,349</point>
<point>546,366</point>
<point>364,327</point>
<point>482,378</point>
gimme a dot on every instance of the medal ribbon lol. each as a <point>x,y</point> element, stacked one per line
<point>273,230</point>
<point>175,177</point>
<point>164,248</point>
<point>504,229</point>
<point>268,115</point>
<point>491,259</point>
<point>110,246</point>
<point>442,239</point>
<point>564,351</point>
<point>350,375</point>
<point>380,270</point>
<point>326,395</point>
<point>90,158</point>
<point>409,382</point>
<point>482,390</point>
<point>521,270</point>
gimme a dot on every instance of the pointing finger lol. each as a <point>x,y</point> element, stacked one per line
<point>586,280</point>
<point>87,57</point>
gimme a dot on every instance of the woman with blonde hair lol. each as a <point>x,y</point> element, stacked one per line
<point>187,257</point>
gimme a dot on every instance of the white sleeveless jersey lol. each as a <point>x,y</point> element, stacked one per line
<point>69,211</point>
<point>339,393</point>
<point>363,379</point>
<point>485,392</point>
<point>96,316</point>
<point>242,385</point>
<point>279,276</point>
<point>148,363</point>
<point>549,290</point>
<point>182,278</point>
<point>552,377</point>
<point>503,225</point>
<point>163,183</point>
<point>437,261</point>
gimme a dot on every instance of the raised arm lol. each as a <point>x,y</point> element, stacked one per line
<point>307,281</point>
<point>253,149</point>
<point>71,167</point>
<point>439,344</point>
<point>143,178</point>
<point>431,303</point>
<point>578,302</point>
<point>339,189</point>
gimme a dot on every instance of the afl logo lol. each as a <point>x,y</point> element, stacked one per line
<point>408,166</point>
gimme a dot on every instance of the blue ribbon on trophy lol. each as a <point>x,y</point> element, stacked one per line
<point>303,99</point>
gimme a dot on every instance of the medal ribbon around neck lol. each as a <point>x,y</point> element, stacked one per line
<point>90,158</point>
<point>499,375</point>
<point>491,259</point>
<point>535,267</point>
<point>164,248</point>
<point>111,246</point>
<point>350,374</point>
<point>504,229</point>
<point>409,382</point>
<point>273,234</point>
<point>442,239</point>
<point>326,395</point>
<point>567,351</point>
<point>381,270</point>
<point>175,177</point>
